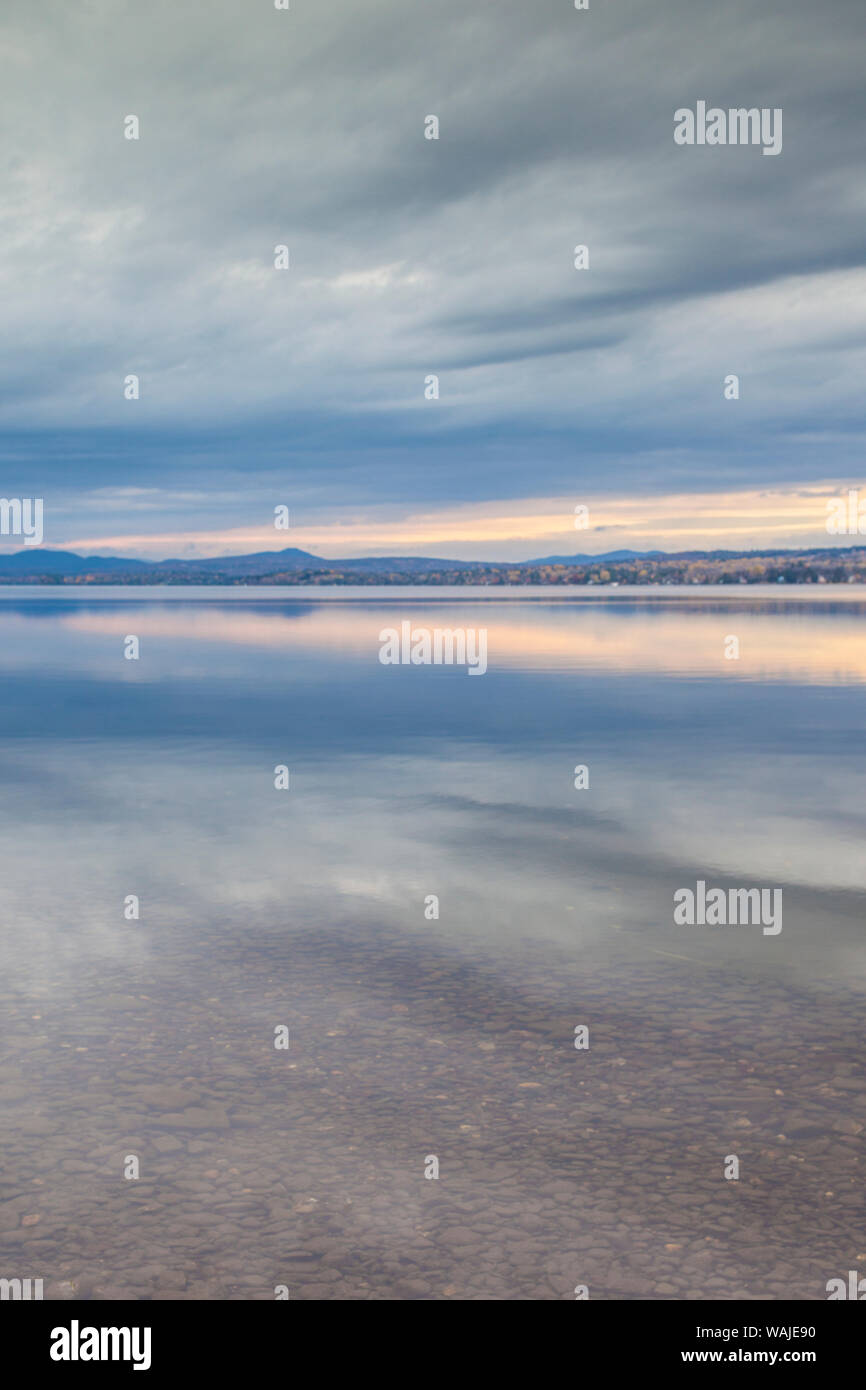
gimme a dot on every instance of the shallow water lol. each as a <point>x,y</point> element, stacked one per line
<point>412,1037</point>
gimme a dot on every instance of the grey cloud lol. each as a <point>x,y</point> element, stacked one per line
<point>261,127</point>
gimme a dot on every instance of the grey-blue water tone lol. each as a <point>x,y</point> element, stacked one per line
<point>410,1035</point>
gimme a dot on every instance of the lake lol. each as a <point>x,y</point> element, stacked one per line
<point>509,1072</point>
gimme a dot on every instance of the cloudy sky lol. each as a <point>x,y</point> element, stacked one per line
<point>410,257</point>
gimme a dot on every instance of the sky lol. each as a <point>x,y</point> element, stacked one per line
<point>410,257</point>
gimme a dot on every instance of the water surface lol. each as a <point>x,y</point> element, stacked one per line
<point>412,1037</point>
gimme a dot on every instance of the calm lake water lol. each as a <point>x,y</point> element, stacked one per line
<point>412,1036</point>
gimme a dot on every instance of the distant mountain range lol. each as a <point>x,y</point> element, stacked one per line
<point>289,565</point>
<point>64,562</point>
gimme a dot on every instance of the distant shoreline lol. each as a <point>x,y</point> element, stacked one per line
<point>802,572</point>
<point>292,569</point>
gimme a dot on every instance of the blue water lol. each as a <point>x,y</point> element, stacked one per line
<point>414,1035</point>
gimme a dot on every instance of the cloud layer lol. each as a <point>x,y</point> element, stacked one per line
<point>410,257</point>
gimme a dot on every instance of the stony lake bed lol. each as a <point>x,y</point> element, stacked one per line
<point>303,1169</point>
